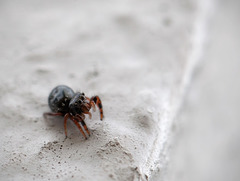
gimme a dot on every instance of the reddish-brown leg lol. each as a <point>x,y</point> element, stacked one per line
<point>65,123</point>
<point>79,127</point>
<point>92,104</point>
<point>98,102</point>
<point>83,124</point>
<point>51,114</point>
<point>85,109</point>
<point>89,114</point>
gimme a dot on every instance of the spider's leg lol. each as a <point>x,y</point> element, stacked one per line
<point>89,114</point>
<point>65,123</point>
<point>98,102</point>
<point>85,109</point>
<point>83,124</point>
<point>92,104</point>
<point>78,125</point>
<point>51,114</point>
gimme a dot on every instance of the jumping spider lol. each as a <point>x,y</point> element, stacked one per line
<point>64,102</point>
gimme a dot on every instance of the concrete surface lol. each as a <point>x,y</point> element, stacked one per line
<point>206,146</point>
<point>136,55</point>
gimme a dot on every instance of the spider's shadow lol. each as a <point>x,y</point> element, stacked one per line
<point>53,123</point>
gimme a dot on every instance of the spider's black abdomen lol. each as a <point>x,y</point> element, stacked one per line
<point>59,98</point>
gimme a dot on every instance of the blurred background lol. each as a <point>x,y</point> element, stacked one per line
<point>207,142</point>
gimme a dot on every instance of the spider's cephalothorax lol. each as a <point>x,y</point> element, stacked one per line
<point>64,102</point>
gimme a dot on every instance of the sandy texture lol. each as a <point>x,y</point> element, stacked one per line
<point>136,55</point>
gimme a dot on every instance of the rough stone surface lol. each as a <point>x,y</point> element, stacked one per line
<point>136,55</point>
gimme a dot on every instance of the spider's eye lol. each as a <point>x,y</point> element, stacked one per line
<point>83,94</point>
<point>82,98</point>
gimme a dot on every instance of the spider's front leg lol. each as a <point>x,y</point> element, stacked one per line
<point>92,104</point>
<point>98,102</point>
<point>81,118</point>
<point>74,119</point>
<point>85,109</point>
